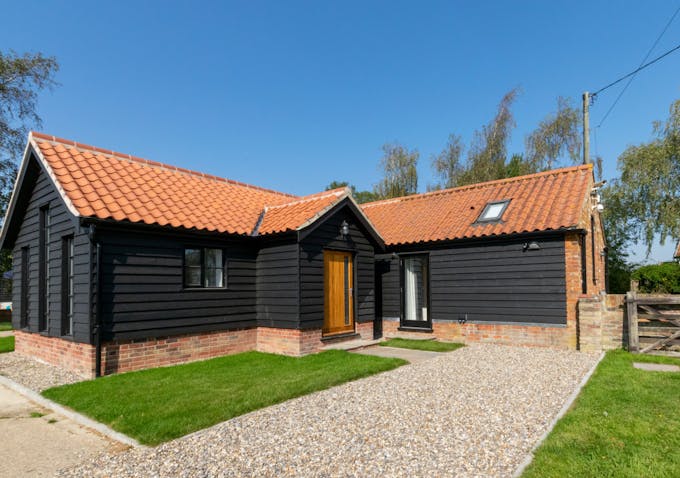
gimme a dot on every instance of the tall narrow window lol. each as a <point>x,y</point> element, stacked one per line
<point>67,276</point>
<point>25,281</point>
<point>44,269</point>
<point>415,290</point>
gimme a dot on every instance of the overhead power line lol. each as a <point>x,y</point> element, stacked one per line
<point>632,76</point>
<point>636,70</point>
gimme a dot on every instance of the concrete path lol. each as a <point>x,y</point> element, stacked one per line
<point>37,442</point>
<point>6,333</point>
<point>656,367</point>
<point>413,356</point>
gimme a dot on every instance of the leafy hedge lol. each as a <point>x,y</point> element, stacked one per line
<point>658,278</point>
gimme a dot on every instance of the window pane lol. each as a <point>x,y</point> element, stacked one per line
<point>493,211</point>
<point>213,268</point>
<point>214,277</point>
<point>415,288</point>
<point>213,257</point>
<point>192,257</point>
<point>192,276</point>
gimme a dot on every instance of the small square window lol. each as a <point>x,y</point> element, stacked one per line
<point>204,268</point>
<point>493,211</point>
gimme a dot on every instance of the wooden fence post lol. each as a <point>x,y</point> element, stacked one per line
<point>633,337</point>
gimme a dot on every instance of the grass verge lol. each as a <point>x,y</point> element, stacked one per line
<point>429,345</point>
<point>5,326</point>
<point>6,344</point>
<point>160,404</point>
<point>624,424</point>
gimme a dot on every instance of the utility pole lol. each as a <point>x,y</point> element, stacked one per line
<point>586,128</point>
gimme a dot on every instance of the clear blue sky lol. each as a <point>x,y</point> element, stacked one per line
<point>292,95</point>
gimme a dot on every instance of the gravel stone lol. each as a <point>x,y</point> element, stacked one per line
<point>474,412</point>
<point>33,374</point>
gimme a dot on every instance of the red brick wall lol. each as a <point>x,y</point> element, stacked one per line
<point>128,355</point>
<point>288,341</point>
<point>74,356</point>
<point>601,321</point>
<point>365,329</point>
<point>525,335</point>
<point>572,262</point>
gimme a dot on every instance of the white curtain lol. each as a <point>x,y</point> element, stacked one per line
<point>411,288</point>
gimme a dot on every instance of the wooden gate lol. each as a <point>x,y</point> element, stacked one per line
<point>653,323</point>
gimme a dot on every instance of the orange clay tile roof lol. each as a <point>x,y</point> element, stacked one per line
<point>104,184</point>
<point>551,200</point>
<point>108,185</point>
<point>297,214</point>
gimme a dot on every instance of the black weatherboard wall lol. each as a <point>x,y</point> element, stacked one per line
<point>487,281</point>
<point>326,235</point>
<point>143,293</point>
<point>277,282</point>
<point>38,191</point>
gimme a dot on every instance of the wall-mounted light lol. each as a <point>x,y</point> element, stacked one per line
<point>531,246</point>
<point>344,229</point>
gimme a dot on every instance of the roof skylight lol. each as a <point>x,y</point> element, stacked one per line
<point>493,211</point>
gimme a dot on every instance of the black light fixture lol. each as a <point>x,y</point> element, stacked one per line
<point>344,229</point>
<point>531,246</point>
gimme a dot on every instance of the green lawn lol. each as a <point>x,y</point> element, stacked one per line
<point>625,423</point>
<point>5,326</point>
<point>160,404</point>
<point>6,344</point>
<point>429,345</point>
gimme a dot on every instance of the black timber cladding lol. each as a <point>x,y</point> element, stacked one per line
<point>326,235</point>
<point>278,283</point>
<point>487,281</point>
<point>142,290</point>
<point>38,191</point>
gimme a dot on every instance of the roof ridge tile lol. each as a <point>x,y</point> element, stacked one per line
<point>338,192</point>
<point>136,159</point>
<point>442,192</point>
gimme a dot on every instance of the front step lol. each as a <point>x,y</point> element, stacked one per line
<point>351,344</point>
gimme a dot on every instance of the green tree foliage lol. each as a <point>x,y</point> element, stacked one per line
<point>647,196</point>
<point>659,278</point>
<point>488,150</point>
<point>360,196</point>
<point>400,176</point>
<point>617,235</point>
<point>21,78</point>
<point>556,136</point>
<point>447,164</point>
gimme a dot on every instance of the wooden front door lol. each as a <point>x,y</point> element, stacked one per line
<point>338,280</point>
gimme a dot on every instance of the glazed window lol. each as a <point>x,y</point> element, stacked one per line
<point>493,211</point>
<point>67,285</point>
<point>44,269</point>
<point>203,267</point>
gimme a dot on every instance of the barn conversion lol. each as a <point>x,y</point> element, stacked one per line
<point>121,263</point>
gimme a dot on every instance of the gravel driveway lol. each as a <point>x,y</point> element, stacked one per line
<point>473,412</point>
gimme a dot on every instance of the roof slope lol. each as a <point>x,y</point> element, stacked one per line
<point>299,213</point>
<point>551,200</point>
<point>677,252</point>
<point>109,185</point>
